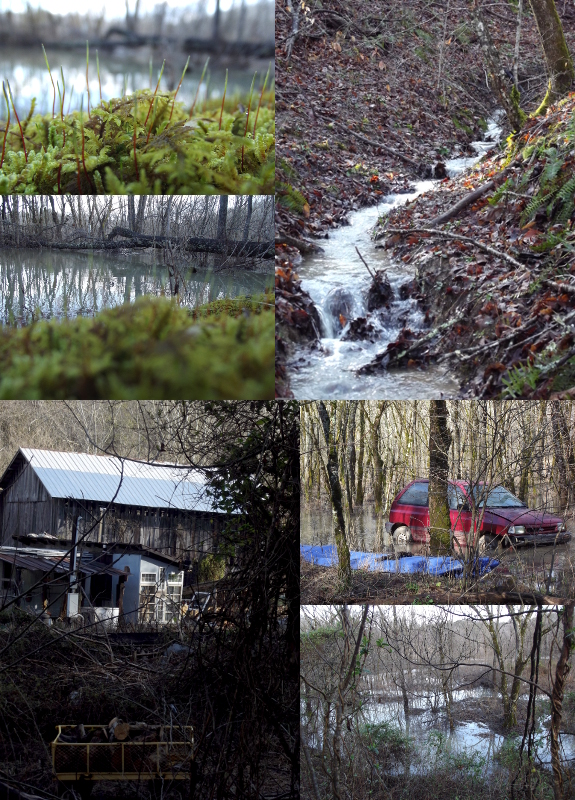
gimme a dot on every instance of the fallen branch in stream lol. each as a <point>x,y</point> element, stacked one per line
<point>458,236</point>
<point>365,262</point>
<point>411,350</point>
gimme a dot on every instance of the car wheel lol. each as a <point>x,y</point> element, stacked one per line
<point>402,534</point>
<point>484,543</point>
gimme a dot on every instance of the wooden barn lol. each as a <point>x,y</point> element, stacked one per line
<point>105,499</point>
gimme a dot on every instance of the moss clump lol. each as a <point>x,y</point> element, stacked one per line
<point>143,144</point>
<point>150,349</point>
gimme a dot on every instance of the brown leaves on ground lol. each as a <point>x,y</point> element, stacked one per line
<point>519,332</point>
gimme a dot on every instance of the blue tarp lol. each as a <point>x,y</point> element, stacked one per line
<point>326,556</point>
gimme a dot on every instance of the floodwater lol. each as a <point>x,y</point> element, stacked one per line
<point>121,72</point>
<point>530,564</point>
<point>40,284</point>
<point>469,737</point>
<point>427,725</point>
<point>330,372</point>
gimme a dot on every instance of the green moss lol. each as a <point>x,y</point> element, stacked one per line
<point>173,154</point>
<point>150,349</point>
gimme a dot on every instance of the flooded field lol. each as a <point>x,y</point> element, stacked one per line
<point>40,284</point>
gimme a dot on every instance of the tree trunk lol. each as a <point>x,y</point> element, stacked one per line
<point>561,672</point>
<point>563,486</point>
<point>439,444</point>
<point>131,213</point>
<point>359,490</point>
<point>557,57</point>
<point>140,213</point>
<point>222,217</point>
<point>248,219</point>
<point>350,471</point>
<point>509,99</point>
<point>348,668</point>
<point>378,470</point>
<point>344,565</point>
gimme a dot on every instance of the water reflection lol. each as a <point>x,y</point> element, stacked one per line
<point>28,76</point>
<point>367,533</point>
<point>50,283</point>
<point>427,726</point>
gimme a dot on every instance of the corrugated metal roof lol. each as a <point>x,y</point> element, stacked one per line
<point>81,476</point>
<point>52,563</point>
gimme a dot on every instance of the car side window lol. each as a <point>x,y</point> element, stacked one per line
<point>455,497</point>
<point>416,495</point>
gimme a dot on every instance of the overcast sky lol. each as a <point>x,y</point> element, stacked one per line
<point>112,8</point>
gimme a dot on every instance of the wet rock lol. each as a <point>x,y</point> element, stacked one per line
<point>339,305</point>
<point>407,290</point>
<point>428,171</point>
<point>404,352</point>
<point>425,171</point>
<point>360,329</point>
<point>439,171</point>
<point>380,293</point>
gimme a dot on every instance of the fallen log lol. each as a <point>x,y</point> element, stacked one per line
<point>447,235</point>
<point>265,250</point>
<point>303,245</point>
<point>463,203</point>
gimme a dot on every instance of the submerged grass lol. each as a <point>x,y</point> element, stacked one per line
<point>144,143</point>
<point>152,348</point>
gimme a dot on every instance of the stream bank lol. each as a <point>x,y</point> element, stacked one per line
<point>355,328</point>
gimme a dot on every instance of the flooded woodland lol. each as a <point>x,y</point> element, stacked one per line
<point>65,267</point>
<point>439,702</point>
<point>373,450</point>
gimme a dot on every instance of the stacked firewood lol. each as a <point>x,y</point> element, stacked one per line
<point>116,731</point>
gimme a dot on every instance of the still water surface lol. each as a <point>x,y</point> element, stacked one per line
<point>38,284</point>
<point>119,74</point>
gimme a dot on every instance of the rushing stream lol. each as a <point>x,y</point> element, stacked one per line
<point>330,372</point>
<point>54,283</point>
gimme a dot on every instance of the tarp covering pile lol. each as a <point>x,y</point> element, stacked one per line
<point>326,556</point>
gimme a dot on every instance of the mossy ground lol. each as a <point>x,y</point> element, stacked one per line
<point>141,144</point>
<point>153,348</point>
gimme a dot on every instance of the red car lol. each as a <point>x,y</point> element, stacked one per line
<point>502,519</point>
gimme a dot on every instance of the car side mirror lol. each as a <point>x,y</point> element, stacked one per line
<point>463,506</point>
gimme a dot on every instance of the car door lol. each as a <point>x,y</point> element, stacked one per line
<point>412,509</point>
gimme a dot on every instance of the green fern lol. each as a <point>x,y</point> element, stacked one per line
<point>500,192</point>
<point>553,166</point>
<point>291,198</point>
<point>567,197</point>
<point>535,204</point>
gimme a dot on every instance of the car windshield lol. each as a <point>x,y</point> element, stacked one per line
<point>498,497</point>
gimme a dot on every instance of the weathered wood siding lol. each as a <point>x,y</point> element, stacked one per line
<point>26,507</point>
